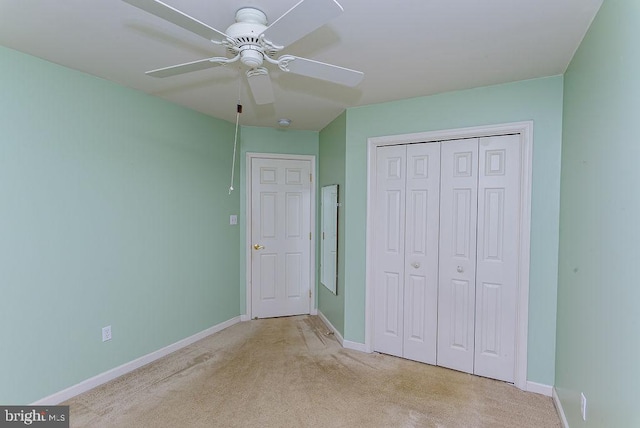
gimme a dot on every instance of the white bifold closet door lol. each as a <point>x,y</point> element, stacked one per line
<point>497,256</point>
<point>406,242</point>
<point>457,270</point>
<point>479,209</point>
<point>446,253</point>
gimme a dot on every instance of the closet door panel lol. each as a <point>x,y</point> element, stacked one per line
<point>457,255</point>
<point>421,252</point>
<point>497,262</point>
<point>389,244</point>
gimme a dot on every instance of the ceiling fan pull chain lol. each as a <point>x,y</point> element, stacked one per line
<point>235,139</point>
<point>235,145</point>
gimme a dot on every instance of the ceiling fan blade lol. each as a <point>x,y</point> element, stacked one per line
<point>260,85</point>
<point>320,70</point>
<point>188,67</point>
<point>168,13</point>
<point>300,20</point>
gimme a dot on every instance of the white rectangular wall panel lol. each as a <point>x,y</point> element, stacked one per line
<point>393,232</point>
<point>392,313</point>
<point>490,319</point>
<point>268,276</point>
<point>268,204</point>
<point>294,221</point>
<point>293,268</point>
<point>458,311</point>
<point>415,327</point>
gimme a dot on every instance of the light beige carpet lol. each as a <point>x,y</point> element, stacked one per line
<point>287,372</point>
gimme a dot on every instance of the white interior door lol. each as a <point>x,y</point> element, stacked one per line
<point>408,185</point>
<point>457,266</point>
<point>446,258</point>
<point>497,258</point>
<point>421,252</point>
<point>390,247</point>
<point>280,236</point>
<point>481,250</point>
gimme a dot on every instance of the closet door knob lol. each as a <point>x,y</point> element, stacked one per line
<point>415,265</point>
<point>460,269</point>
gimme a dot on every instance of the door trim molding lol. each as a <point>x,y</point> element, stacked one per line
<point>312,262</point>
<point>525,129</point>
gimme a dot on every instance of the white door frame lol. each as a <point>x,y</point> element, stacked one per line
<point>248,243</point>
<point>525,129</point>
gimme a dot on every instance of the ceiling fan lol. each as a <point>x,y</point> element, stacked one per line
<point>250,41</point>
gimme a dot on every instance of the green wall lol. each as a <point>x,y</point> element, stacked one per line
<point>115,211</point>
<point>332,171</point>
<point>539,100</point>
<point>113,205</point>
<point>598,341</point>
<point>268,140</point>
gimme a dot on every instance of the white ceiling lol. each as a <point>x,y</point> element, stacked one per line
<point>406,48</point>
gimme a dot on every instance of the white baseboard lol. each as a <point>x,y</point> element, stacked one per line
<point>98,380</point>
<point>539,388</point>
<point>314,311</point>
<point>335,331</point>
<point>356,346</point>
<point>558,404</point>
<point>245,317</point>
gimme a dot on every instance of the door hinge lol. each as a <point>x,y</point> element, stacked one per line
<point>309,236</point>
<point>310,178</point>
<point>309,293</point>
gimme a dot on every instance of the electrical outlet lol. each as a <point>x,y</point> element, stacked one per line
<point>106,333</point>
<point>233,219</point>
<point>583,406</point>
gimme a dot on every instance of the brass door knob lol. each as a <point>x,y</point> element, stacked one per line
<point>258,247</point>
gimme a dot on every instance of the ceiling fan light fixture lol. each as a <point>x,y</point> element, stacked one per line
<point>250,56</point>
<point>284,123</point>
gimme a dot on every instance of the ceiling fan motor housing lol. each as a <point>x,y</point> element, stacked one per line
<point>245,32</point>
<point>250,41</point>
